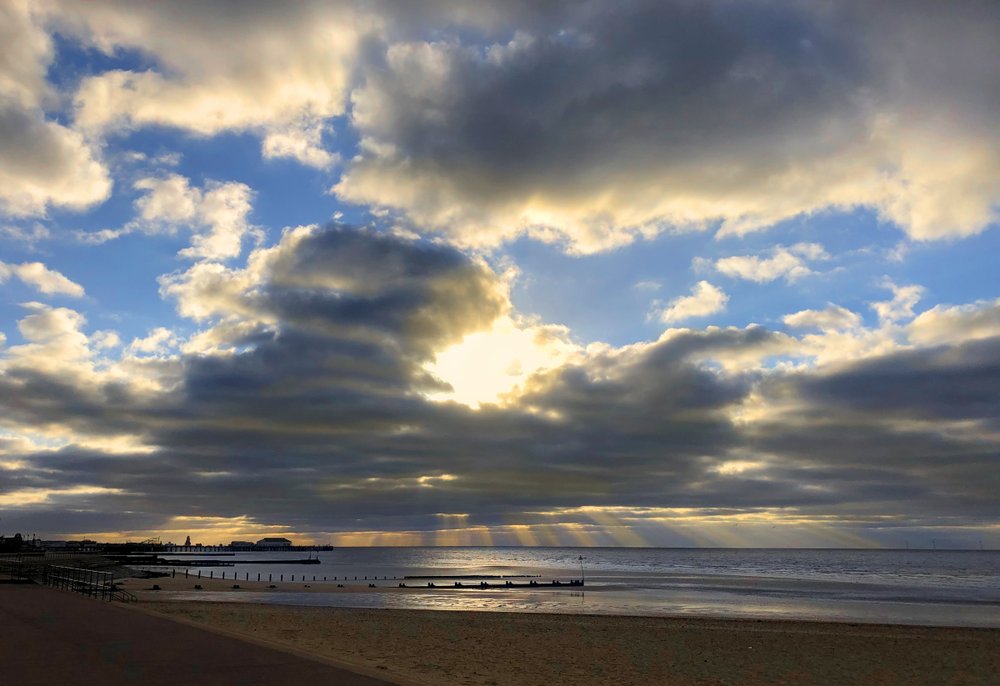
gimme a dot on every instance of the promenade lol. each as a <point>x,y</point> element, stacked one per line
<point>50,637</point>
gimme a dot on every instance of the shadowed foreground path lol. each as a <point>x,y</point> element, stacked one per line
<point>55,637</point>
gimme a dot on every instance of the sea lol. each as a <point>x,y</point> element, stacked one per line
<point>920,587</point>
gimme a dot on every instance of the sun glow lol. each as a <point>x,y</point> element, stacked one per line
<point>488,365</point>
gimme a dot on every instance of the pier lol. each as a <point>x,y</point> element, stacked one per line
<point>156,561</point>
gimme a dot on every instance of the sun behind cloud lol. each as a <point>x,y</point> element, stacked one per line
<point>488,366</point>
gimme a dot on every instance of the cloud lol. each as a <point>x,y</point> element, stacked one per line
<point>951,325</point>
<point>28,51</point>
<point>326,337</point>
<point>159,339</point>
<point>217,215</point>
<point>485,126</point>
<point>832,318</point>
<point>105,339</point>
<point>300,142</point>
<point>53,336</point>
<point>310,380</point>
<point>904,298</point>
<point>594,129</point>
<point>40,277</point>
<point>342,370</point>
<point>788,263</point>
<point>647,285</point>
<point>42,162</point>
<point>222,67</point>
<point>705,299</point>
<point>374,287</point>
<point>490,366</point>
<point>28,236</point>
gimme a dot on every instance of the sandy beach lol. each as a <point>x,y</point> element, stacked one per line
<point>510,649</point>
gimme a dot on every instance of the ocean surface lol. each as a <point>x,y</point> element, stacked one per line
<point>930,587</point>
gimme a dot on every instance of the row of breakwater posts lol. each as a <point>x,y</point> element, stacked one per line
<point>487,581</point>
<point>88,581</point>
<point>510,584</point>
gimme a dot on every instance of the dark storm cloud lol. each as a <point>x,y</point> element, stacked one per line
<point>427,295</point>
<point>909,427</point>
<point>315,419</point>
<point>616,119</point>
<point>957,382</point>
<point>42,399</point>
<point>320,407</point>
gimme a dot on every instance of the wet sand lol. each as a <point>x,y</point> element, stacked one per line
<point>508,649</point>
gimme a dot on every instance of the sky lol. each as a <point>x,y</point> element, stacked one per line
<point>442,272</point>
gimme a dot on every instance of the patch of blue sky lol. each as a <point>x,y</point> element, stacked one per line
<point>954,272</point>
<point>610,297</point>
<point>601,297</point>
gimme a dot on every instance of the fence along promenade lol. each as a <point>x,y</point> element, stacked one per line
<point>87,581</point>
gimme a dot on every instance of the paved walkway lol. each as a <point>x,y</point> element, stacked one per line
<point>50,637</point>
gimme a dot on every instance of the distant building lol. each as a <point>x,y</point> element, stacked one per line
<point>242,545</point>
<point>273,544</point>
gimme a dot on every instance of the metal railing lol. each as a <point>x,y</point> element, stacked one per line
<point>18,568</point>
<point>86,581</point>
<point>91,582</point>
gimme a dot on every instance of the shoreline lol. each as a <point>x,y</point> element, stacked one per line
<point>599,600</point>
<point>521,649</point>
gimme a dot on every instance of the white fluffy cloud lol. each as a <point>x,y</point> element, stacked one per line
<point>217,215</point>
<point>301,142</point>
<point>948,325</point>
<point>277,70</point>
<point>157,341</point>
<point>901,305</point>
<point>705,299</point>
<point>788,263</point>
<point>45,280</point>
<point>27,51</point>
<point>42,162</point>
<point>832,318</point>
<point>55,341</point>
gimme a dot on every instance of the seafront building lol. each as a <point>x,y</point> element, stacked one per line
<point>273,543</point>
